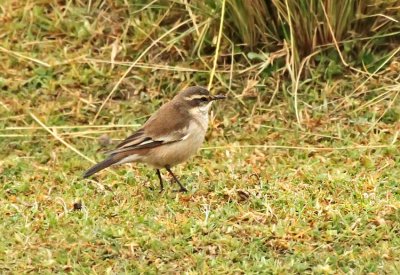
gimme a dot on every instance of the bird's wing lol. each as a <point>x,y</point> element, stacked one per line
<point>167,125</point>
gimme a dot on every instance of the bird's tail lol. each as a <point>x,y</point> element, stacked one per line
<point>100,166</point>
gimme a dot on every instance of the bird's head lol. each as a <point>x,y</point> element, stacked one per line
<point>198,98</point>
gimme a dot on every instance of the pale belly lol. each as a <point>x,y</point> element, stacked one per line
<point>174,153</point>
<point>177,152</point>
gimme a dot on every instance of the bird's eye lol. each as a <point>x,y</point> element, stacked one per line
<point>203,99</point>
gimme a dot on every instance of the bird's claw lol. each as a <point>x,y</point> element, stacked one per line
<point>181,190</point>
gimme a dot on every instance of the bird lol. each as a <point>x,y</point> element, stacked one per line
<point>169,137</point>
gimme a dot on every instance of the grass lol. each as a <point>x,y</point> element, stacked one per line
<point>275,189</point>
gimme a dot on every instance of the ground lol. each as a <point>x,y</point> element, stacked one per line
<point>269,192</point>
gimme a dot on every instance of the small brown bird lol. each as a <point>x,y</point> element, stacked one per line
<point>170,136</point>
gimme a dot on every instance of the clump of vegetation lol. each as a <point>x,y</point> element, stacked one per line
<point>315,25</point>
<point>300,170</point>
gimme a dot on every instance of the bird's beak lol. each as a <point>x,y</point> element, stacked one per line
<point>217,97</point>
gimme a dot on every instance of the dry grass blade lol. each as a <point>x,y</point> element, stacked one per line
<point>343,102</point>
<point>193,17</point>
<point>35,60</point>
<point>333,36</point>
<point>70,127</point>
<point>221,25</point>
<point>134,64</point>
<point>4,106</point>
<point>381,116</point>
<point>57,137</point>
<point>306,148</point>
<point>151,66</point>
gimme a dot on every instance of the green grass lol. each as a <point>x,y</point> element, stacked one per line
<point>265,195</point>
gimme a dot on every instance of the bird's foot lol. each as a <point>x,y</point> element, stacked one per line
<point>181,190</point>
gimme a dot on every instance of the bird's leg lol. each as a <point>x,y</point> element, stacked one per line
<point>161,183</point>
<point>182,189</point>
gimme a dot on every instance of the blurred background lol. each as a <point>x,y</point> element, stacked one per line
<point>300,170</point>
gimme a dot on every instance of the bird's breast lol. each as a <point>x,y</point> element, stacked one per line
<point>177,152</point>
<point>201,121</point>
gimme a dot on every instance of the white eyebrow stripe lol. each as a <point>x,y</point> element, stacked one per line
<point>195,97</point>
